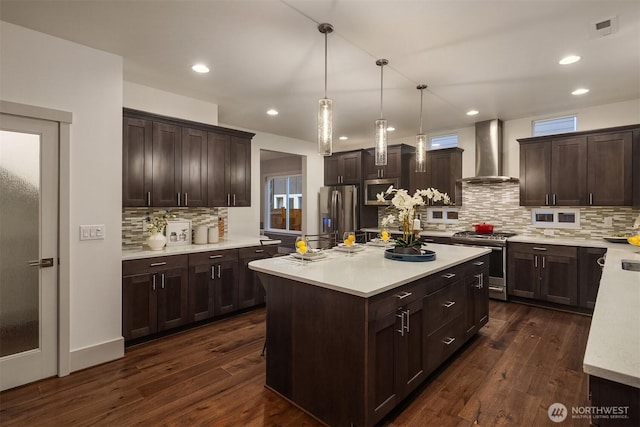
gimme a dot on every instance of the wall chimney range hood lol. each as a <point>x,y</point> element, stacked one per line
<point>489,154</point>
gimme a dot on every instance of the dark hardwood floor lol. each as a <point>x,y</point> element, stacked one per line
<point>521,362</point>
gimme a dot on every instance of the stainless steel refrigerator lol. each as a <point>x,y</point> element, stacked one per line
<point>339,209</point>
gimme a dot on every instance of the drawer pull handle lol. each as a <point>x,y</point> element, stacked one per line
<point>495,289</point>
<point>259,251</point>
<point>448,341</point>
<point>403,295</point>
<point>536,248</point>
<point>449,275</point>
<point>157,264</point>
<point>478,263</point>
<point>215,256</point>
<point>448,304</point>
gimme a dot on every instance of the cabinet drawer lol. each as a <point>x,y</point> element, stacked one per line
<point>544,249</point>
<point>444,342</point>
<point>213,257</point>
<point>149,265</point>
<point>478,266</point>
<point>253,251</point>
<point>391,300</point>
<point>444,305</point>
<point>444,278</point>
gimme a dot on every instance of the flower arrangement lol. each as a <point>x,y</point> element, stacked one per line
<point>404,207</point>
<point>158,223</point>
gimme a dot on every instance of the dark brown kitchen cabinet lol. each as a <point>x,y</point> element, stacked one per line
<point>343,168</point>
<point>397,162</point>
<point>154,295</point>
<point>169,163</point>
<point>137,149</point>
<point>578,169</point>
<point>250,290</point>
<point>620,399</point>
<point>397,350</point>
<point>229,160</point>
<point>589,274</point>
<point>444,169</point>
<point>213,283</point>
<point>543,272</point>
<point>477,287</point>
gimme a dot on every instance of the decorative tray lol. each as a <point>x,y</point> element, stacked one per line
<point>616,239</point>
<point>426,255</point>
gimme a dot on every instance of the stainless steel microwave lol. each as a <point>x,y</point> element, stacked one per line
<point>374,186</point>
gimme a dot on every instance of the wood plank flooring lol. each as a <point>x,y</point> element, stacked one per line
<point>522,361</point>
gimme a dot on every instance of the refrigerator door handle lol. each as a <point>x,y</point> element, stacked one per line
<point>339,213</point>
<point>334,209</point>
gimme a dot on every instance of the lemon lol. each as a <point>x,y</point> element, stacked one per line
<point>384,235</point>
<point>302,249</point>
<point>352,238</point>
<point>634,240</point>
<point>300,244</point>
<point>348,242</point>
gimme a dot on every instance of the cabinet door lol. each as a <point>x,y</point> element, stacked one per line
<point>444,168</point>
<point>173,298</point>
<point>201,285</point>
<point>225,287</point>
<point>351,168</point>
<point>535,174</point>
<point>477,287</point>
<point>250,290</point>
<point>166,165</point>
<point>589,274</point>
<point>194,168</point>
<point>523,275</point>
<point>383,360</point>
<point>239,171</point>
<point>411,364</point>
<point>417,180</point>
<point>569,172</point>
<point>559,281</point>
<point>392,169</point>
<point>139,314</point>
<point>137,148</point>
<point>610,169</point>
<point>332,173</point>
<point>216,165</point>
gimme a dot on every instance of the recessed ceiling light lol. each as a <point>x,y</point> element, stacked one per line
<point>343,138</point>
<point>569,60</point>
<point>200,68</point>
<point>272,112</point>
<point>472,112</point>
<point>580,91</point>
<point>390,129</point>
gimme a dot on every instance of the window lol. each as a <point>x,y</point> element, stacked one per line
<point>284,203</point>
<point>555,125</point>
<point>443,141</point>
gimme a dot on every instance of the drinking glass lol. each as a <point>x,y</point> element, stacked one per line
<point>302,246</point>
<point>384,235</point>
<point>349,238</point>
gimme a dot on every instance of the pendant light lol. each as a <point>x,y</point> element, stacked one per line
<point>421,139</point>
<point>381,125</point>
<point>325,108</point>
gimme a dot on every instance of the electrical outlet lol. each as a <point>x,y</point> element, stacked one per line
<point>608,221</point>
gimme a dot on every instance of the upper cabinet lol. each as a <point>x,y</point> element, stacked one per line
<point>579,169</point>
<point>397,161</point>
<point>343,168</point>
<point>444,168</point>
<point>175,163</point>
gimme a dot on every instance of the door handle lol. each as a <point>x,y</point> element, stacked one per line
<point>41,263</point>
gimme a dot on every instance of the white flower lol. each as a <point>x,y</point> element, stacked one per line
<point>387,220</point>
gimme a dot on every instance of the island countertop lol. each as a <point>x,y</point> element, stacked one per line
<point>365,273</point>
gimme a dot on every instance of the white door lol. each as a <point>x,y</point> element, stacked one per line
<point>28,250</point>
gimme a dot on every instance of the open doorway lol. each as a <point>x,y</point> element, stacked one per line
<point>281,196</point>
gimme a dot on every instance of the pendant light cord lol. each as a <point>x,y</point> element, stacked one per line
<point>421,98</point>
<point>381,88</point>
<point>325,65</point>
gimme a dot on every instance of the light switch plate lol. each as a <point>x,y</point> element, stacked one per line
<point>92,232</point>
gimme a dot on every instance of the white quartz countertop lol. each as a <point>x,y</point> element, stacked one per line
<point>613,346</point>
<point>365,273</point>
<point>235,243</point>
<point>566,241</point>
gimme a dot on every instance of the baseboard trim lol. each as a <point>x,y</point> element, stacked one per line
<point>96,354</point>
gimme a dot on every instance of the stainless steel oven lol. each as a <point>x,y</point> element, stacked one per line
<point>497,243</point>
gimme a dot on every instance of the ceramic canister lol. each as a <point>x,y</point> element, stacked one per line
<point>213,234</point>
<point>200,236</point>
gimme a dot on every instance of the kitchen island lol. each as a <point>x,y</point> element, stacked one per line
<point>350,336</point>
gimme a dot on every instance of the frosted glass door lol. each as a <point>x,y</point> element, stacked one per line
<point>28,249</point>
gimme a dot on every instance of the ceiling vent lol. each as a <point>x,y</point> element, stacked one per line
<point>604,28</point>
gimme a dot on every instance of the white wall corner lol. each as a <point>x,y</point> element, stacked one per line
<point>96,354</point>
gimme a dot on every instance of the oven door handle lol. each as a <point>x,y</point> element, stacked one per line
<point>495,289</point>
<point>493,248</point>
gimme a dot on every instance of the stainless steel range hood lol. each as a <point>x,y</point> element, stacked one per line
<point>489,154</point>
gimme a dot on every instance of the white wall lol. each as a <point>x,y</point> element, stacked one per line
<point>40,70</point>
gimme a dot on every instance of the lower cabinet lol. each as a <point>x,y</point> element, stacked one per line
<point>166,292</point>
<point>477,288</point>
<point>154,295</point>
<point>589,274</point>
<point>619,403</point>
<point>543,272</point>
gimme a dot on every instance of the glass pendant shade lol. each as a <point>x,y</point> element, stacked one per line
<point>325,127</point>
<point>381,142</point>
<point>421,153</point>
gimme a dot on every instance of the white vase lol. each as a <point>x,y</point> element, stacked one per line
<point>156,241</point>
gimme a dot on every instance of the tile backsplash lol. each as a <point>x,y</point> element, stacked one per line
<point>498,204</point>
<point>133,235</point>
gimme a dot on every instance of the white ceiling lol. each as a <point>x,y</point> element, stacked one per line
<point>499,57</point>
